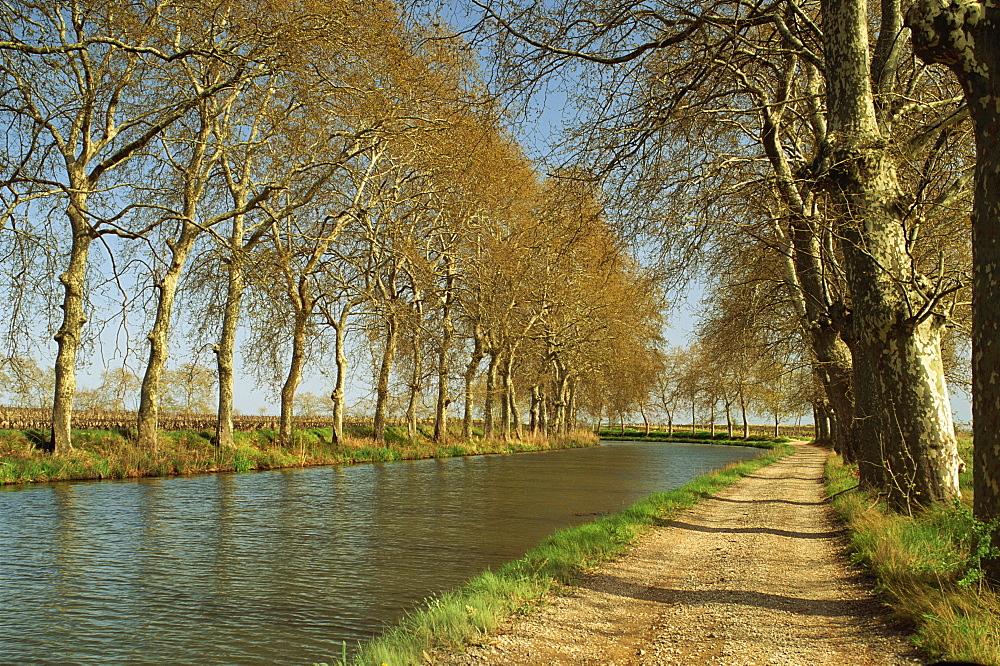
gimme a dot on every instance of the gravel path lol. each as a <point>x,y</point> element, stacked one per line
<point>753,575</point>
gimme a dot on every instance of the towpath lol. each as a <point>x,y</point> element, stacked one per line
<point>755,575</point>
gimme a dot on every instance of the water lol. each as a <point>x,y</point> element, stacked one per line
<point>281,566</point>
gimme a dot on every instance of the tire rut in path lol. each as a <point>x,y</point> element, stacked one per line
<point>755,574</point>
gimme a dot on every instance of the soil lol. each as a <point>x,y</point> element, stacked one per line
<point>756,574</point>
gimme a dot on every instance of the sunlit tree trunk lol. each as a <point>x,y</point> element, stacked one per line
<point>416,371</point>
<point>536,398</point>
<point>225,350</point>
<point>513,425</point>
<point>902,408</point>
<point>470,377</point>
<point>149,394</point>
<point>966,37</point>
<point>489,406</point>
<point>337,396</point>
<point>447,332</point>
<point>382,384</point>
<point>68,336</point>
<point>294,376</point>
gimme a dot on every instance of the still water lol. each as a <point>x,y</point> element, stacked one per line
<point>281,566</point>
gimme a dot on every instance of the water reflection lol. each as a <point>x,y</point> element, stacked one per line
<point>280,567</point>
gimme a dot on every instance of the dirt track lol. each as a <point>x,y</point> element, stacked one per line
<point>754,575</point>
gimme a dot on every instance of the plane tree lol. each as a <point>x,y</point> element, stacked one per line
<point>832,116</point>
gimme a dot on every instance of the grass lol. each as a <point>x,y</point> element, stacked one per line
<point>927,566</point>
<point>460,617</point>
<point>113,455</point>
<point>638,434</point>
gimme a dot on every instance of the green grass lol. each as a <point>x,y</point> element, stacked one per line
<point>635,434</point>
<point>113,455</point>
<point>927,567</point>
<point>456,618</point>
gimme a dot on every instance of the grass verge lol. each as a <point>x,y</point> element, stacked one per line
<point>927,566</point>
<point>457,618</point>
<point>698,437</point>
<point>112,454</point>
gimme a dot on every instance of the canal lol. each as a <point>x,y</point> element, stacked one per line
<point>282,566</point>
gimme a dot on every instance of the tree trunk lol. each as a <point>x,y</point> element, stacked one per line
<point>559,417</point>
<point>382,384</point>
<point>986,310</point>
<point>294,376</point>
<point>491,391</point>
<point>470,377</point>
<point>512,423</point>
<point>226,349</point>
<point>533,410</point>
<point>337,396</point>
<point>504,396</point>
<point>416,378</point>
<point>968,42</point>
<point>543,413</point>
<point>833,357</point>
<point>571,407</point>
<point>147,426</point>
<point>447,332</point>
<point>902,408</point>
<point>68,336</point>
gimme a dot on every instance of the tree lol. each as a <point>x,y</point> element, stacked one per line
<point>965,37</point>
<point>849,98</point>
<point>30,385</point>
<point>189,389</point>
<point>84,86</point>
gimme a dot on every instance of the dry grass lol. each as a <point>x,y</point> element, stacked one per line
<point>112,454</point>
<point>927,569</point>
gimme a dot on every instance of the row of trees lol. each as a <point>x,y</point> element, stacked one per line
<point>321,179</point>
<point>812,143</point>
<point>700,384</point>
<point>804,143</point>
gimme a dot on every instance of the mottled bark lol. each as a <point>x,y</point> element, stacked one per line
<point>571,406</point>
<point>382,383</point>
<point>470,377</point>
<point>511,419</point>
<point>68,336</point>
<point>902,410</point>
<point>965,36</point>
<point>340,369</point>
<point>559,399</point>
<point>147,419</point>
<point>820,322</point>
<point>225,350</point>
<point>447,333</point>
<point>416,372</point>
<point>489,406</point>
<point>536,399</point>
<point>294,376</point>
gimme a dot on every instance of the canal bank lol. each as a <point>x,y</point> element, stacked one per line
<point>285,566</point>
<point>754,574</point>
<point>101,454</point>
<point>453,622</point>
